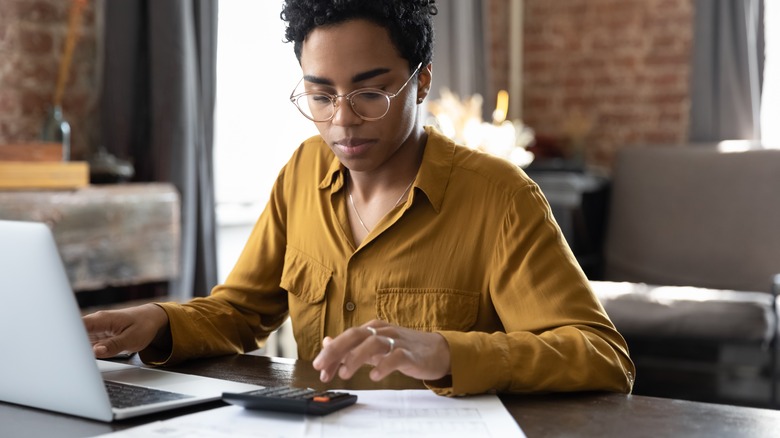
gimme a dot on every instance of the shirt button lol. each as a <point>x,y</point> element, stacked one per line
<point>350,306</point>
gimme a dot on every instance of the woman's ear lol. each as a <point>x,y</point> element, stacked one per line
<point>424,78</point>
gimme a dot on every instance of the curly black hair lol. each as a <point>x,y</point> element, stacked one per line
<point>408,22</point>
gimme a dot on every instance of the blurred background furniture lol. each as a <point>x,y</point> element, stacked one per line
<point>692,251</point>
<point>111,237</point>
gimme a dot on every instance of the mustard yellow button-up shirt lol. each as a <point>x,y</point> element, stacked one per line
<point>474,254</point>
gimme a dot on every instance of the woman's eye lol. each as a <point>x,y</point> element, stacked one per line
<point>320,98</point>
<point>369,95</point>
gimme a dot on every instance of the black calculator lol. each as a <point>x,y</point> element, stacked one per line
<point>295,400</point>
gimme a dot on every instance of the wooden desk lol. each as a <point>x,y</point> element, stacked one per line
<point>552,415</point>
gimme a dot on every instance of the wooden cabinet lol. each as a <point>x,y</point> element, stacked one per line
<point>107,235</point>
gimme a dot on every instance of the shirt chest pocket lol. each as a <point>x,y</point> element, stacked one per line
<point>303,277</point>
<point>428,309</point>
<point>306,281</point>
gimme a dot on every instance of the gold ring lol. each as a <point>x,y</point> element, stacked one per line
<point>372,330</point>
<point>391,341</point>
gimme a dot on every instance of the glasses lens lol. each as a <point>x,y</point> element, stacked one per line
<point>316,106</point>
<point>370,104</point>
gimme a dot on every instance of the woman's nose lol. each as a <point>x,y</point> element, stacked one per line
<point>343,114</point>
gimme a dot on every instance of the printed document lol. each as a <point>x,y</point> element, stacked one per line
<point>377,414</point>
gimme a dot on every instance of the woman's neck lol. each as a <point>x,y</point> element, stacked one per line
<point>395,174</point>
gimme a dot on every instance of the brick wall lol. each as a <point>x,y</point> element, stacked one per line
<point>617,67</point>
<point>32,36</point>
<point>614,71</point>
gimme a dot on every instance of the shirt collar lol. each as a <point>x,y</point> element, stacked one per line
<point>436,168</point>
<point>432,178</point>
<point>334,177</point>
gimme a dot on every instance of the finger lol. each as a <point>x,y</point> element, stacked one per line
<point>371,351</point>
<point>110,347</point>
<point>326,373</point>
<point>395,360</point>
<point>100,351</point>
<point>344,354</point>
<point>105,348</point>
<point>321,361</point>
<point>334,350</point>
<point>103,325</point>
<point>96,322</point>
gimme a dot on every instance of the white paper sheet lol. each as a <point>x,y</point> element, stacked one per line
<point>377,414</point>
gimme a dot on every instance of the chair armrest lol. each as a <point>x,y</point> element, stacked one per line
<point>776,285</point>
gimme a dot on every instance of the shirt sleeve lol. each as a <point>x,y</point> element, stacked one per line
<point>557,335</point>
<point>240,314</point>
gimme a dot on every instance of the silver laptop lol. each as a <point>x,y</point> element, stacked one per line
<point>47,361</point>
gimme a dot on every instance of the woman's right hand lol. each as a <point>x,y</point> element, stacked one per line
<point>112,332</point>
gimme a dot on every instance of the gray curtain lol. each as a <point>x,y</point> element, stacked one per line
<point>459,61</point>
<point>727,71</point>
<point>159,83</point>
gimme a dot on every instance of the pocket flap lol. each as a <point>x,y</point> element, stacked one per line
<point>428,309</point>
<point>304,277</point>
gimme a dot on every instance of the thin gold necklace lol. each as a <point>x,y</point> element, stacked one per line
<point>352,202</point>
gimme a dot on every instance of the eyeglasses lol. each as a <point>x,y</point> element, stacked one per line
<point>369,104</point>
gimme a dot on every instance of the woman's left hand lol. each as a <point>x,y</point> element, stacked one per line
<point>421,355</point>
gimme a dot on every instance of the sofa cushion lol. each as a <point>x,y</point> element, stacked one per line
<point>694,216</point>
<point>692,313</point>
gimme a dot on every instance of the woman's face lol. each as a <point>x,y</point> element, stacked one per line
<point>359,54</point>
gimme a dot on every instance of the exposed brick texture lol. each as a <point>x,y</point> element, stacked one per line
<point>32,37</point>
<point>619,66</point>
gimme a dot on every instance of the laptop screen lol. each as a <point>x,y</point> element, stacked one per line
<point>48,359</point>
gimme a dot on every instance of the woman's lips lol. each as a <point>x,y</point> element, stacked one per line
<point>354,146</point>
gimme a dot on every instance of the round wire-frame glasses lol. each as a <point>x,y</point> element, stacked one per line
<point>369,104</point>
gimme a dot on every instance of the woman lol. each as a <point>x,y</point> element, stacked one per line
<point>389,245</point>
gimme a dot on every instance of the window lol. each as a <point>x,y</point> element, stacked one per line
<point>770,98</point>
<point>256,127</point>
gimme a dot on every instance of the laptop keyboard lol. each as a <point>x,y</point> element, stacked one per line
<point>127,396</point>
